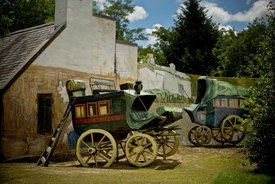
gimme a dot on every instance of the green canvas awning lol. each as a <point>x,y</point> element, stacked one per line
<point>208,89</point>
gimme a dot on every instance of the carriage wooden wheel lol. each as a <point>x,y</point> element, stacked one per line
<point>168,143</point>
<point>203,135</point>
<point>96,147</point>
<point>141,149</point>
<point>217,135</point>
<point>192,137</point>
<point>232,129</point>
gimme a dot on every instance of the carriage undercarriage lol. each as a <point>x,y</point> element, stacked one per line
<point>230,131</point>
<point>97,147</point>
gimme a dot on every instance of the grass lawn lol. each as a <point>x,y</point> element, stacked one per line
<point>190,165</point>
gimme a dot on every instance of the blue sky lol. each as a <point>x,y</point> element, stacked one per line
<point>236,14</point>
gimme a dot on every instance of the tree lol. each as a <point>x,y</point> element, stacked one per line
<point>20,14</point>
<point>163,48</point>
<point>190,42</point>
<point>238,53</point>
<point>120,9</point>
<point>259,146</point>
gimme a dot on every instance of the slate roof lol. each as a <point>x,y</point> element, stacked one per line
<point>19,49</point>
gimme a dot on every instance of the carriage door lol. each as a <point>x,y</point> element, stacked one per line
<point>44,116</point>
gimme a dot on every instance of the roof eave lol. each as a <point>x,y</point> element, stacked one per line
<point>32,58</point>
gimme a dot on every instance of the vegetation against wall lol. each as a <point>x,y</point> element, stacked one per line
<point>260,145</point>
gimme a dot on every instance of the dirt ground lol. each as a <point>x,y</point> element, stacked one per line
<point>188,165</point>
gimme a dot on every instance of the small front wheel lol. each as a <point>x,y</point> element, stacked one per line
<point>141,149</point>
<point>168,143</point>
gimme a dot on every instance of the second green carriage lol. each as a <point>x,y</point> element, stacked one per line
<point>218,111</point>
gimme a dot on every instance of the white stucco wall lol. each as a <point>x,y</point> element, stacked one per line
<point>150,79</point>
<point>126,58</point>
<point>160,77</point>
<point>87,44</point>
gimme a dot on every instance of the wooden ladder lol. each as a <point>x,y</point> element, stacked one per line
<point>48,152</point>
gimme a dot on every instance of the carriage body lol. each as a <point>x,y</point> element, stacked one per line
<point>216,102</point>
<point>111,119</point>
<point>212,113</point>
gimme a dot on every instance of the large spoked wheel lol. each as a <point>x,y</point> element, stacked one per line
<point>203,135</point>
<point>192,136</point>
<point>232,129</point>
<point>96,147</point>
<point>141,149</point>
<point>168,143</point>
<point>217,135</point>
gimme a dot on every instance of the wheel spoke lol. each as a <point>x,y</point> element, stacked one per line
<point>137,158</point>
<point>92,139</point>
<point>103,156</point>
<point>148,151</point>
<point>147,146</point>
<point>87,145</point>
<point>101,140</point>
<point>144,157</point>
<point>88,159</point>
<point>95,158</point>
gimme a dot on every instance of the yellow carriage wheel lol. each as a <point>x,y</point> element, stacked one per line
<point>232,129</point>
<point>168,143</point>
<point>203,135</point>
<point>141,149</point>
<point>192,136</point>
<point>217,135</point>
<point>96,147</point>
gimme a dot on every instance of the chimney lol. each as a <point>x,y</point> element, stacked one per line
<point>60,16</point>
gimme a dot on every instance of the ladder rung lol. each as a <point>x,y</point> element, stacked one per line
<point>43,160</point>
<point>49,149</point>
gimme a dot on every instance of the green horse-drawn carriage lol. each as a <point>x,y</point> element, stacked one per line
<point>114,124</point>
<point>217,111</point>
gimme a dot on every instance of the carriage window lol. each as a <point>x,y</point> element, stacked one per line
<point>104,107</point>
<point>92,109</point>
<point>80,111</point>
<point>224,102</point>
<point>216,103</point>
<point>233,103</point>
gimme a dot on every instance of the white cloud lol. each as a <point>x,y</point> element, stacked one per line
<point>100,3</point>
<point>220,15</point>
<point>138,14</point>
<point>151,39</point>
<point>225,27</point>
<point>259,9</point>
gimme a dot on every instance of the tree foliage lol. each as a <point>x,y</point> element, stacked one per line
<point>260,145</point>
<point>190,42</point>
<point>20,14</point>
<point>238,53</point>
<point>120,9</point>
